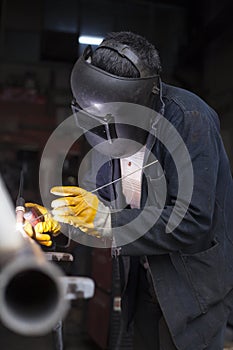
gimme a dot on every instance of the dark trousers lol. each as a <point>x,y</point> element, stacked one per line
<point>150,329</point>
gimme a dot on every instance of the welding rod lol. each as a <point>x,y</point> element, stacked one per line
<point>109,183</point>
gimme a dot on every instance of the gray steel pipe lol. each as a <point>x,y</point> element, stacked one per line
<point>32,296</point>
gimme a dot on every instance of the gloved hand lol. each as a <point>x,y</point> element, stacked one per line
<point>48,224</point>
<point>81,209</point>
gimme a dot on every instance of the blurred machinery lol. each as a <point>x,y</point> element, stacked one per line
<point>34,293</point>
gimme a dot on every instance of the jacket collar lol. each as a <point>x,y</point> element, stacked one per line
<point>154,123</point>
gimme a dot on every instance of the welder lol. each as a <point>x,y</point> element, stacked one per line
<point>171,228</point>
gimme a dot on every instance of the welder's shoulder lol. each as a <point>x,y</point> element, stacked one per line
<point>181,102</point>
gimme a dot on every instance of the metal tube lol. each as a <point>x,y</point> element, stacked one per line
<point>32,296</point>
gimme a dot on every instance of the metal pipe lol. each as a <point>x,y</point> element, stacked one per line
<point>32,296</point>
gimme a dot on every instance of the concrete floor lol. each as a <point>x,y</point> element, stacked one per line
<point>74,335</point>
<point>12,341</point>
<point>74,341</point>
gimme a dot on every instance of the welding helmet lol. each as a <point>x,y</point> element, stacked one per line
<point>103,102</point>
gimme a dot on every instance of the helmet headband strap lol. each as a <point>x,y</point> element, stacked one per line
<point>126,52</point>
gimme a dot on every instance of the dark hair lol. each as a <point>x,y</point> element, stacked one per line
<point>112,62</point>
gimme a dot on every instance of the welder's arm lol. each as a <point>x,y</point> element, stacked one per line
<point>43,230</point>
<point>82,209</point>
<point>193,219</point>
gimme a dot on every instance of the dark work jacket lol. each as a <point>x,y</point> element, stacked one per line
<point>192,263</point>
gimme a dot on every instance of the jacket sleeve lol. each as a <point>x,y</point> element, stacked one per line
<point>145,231</point>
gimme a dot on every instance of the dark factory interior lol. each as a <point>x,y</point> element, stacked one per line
<point>39,44</point>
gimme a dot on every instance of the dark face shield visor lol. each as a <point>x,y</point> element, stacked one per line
<point>102,127</point>
<point>101,106</point>
<point>115,139</point>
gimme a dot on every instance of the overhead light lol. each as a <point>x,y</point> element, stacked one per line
<point>89,40</point>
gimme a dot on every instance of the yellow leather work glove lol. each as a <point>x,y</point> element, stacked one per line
<point>81,209</point>
<point>47,224</point>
